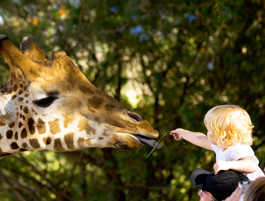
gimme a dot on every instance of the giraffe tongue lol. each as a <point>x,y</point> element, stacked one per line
<point>148,141</point>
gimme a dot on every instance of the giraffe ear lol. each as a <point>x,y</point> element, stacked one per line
<point>30,49</point>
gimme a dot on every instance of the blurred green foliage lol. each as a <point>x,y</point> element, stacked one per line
<point>179,58</point>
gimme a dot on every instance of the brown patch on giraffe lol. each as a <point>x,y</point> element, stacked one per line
<point>14,145</point>
<point>20,124</point>
<point>69,140</point>
<point>81,142</point>
<point>47,140</point>
<point>13,97</point>
<point>34,143</point>
<point>54,126</point>
<point>105,133</point>
<point>25,146</point>
<point>1,136</point>
<point>22,116</point>
<point>15,87</point>
<point>41,126</point>
<point>26,110</point>
<point>26,95</point>
<point>24,133</point>
<point>2,122</point>
<point>84,125</point>
<point>31,126</point>
<point>20,92</point>
<point>20,99</point>
<point>58,145</point>
<point>9,134</point>
<point>85,89</point>
<point>11,125</point>
<point>67,121</point>
<point>16,135</point>
<point>95,102</point>
<point>109,107</point>
<point>101,138</point>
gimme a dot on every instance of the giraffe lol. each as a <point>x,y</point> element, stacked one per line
<point>50,105</point>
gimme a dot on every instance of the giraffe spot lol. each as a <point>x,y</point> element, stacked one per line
<point>47,140</point>
<point>34,143</point>
<point>69,140</point>
<point>41,126</point>
<point>1,136</point>
<point>25,146</point>
<point>81,142</point>
<point>58,145</point>
<point>13,97</point>
<point>84,125</point>
<point>26,95</point>
<point>2,123</point>
<point>20,92</point>
<point>20,99</point>
<point>26,110</point>
<point>16,135</point>
<point>95,102</point>
<point>21,150</point>
<point>101,138</point>
<point>54,126</point>
<point>67,121</point>
<point>11,125</point>
<point>85,89</point>
<point>105,133</point>
<point>20,124</point>
<point>24,133</point>
<point>15,87</point>
<point>14,145</point>
<point>31,126</point>
<point>109,107</point>
<point>22,117</point>
<point>9,134</point>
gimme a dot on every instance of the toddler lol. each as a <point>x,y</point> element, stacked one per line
<point>229,136</point>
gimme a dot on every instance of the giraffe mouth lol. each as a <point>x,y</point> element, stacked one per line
<point>148,141</point>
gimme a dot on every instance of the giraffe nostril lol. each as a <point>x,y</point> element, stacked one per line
<point>135,116</point>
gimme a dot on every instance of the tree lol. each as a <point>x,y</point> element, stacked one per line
<point>169,60</point>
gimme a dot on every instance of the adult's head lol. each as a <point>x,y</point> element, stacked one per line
<point>256,190</point>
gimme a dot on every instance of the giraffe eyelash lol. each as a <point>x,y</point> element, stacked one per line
<point>45,102</point>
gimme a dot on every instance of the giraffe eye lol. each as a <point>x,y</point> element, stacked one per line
<point>45,102</point>
<point>135,116</point>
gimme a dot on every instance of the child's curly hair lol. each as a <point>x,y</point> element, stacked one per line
<point>231,125</point>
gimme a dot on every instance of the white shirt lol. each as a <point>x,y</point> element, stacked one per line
<point>235,153</point>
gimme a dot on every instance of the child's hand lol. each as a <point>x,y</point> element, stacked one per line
<point>177,134</point>
<point>221,165</point>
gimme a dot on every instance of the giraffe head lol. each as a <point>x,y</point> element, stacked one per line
<point>50,105</point>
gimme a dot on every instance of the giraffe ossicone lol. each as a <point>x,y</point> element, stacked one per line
<point>50,105</point>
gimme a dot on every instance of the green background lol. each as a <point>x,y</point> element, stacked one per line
<point>171,61</point>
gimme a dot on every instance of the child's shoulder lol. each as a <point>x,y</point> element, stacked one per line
<point>241,147</point>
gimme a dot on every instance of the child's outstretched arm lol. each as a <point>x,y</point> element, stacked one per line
<point>246,165</point>
<point>195,138</point>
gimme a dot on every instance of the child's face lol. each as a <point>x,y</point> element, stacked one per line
<point>210,135</point>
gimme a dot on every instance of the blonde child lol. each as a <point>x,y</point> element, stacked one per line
<point>229,136</point>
